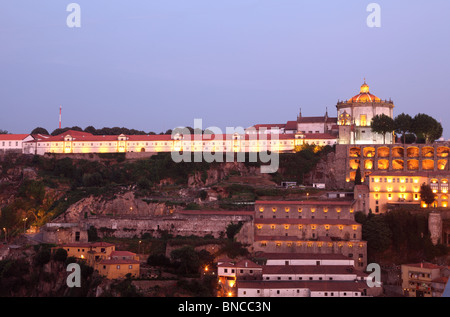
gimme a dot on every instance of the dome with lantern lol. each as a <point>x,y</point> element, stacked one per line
<point>364,95</point>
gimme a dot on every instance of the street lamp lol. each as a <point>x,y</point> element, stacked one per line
<point>4,229</point>
<point>24,224</point>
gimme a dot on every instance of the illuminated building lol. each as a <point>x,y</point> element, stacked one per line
<point>424,279</point>
<point>13,142</point>
<point>104,258</point>
<point>296,275</point>
<point>355,115</point>
<point>82,142</point>
<point>309,226</point>
<point>393,189</point>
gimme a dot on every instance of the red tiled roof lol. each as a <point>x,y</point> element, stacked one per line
<point>119,261</point>
<point>88,244</point>
<point>247,264</point>
<point>269,126</point>
<point>226,264</point>
<point>122,253</point>
<point>13,137</point>
<point>303,256</point>
<point>319,136</point>
<point>306,221</point>
<point>425,265</point>
<point>310,269</point>
<point>88,137</point>
<point>332,286</point>
<point>316,120</point>
<point>216,212</point>
<point>306,202</point>
<point>291,125</point>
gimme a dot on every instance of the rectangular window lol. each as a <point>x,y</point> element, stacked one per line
<point>363,120</point>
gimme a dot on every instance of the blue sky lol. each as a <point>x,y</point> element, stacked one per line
<point>156,65</point>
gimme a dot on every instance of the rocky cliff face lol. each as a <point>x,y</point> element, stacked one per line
<point>122,205</point>
<point>219,173</point>
<point>12,173</point>
<point>324,172</point>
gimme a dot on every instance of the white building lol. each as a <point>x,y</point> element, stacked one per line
<point>13,142</point>
<point>355,117</point>
<point>296,275</point>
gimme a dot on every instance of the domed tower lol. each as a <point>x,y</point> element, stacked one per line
<point>355,117</point>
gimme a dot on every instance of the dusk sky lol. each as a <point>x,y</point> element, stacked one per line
<point>156,65</point>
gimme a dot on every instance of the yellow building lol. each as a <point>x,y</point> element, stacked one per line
<point>118,268</point>
<point>104,258</point>
<point>419,279</point>
<point>118,265</point>
<point>393,189</point>
<point>91,252</point>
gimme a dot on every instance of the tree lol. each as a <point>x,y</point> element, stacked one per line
<point>403,124</point>
<point>426,194</point>
<point>40,130</point>
<point>90,129</point>
<point>42,257</point>
<point>60,255</point>
<point>233,229</point>
<point>377,233</point>
<point>427,127</point>
<point>3,131</point>
<point>187,259</point>
<point>382,124</point>
<point>358,177</point>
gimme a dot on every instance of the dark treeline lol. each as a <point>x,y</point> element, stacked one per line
<point>94,131</point>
